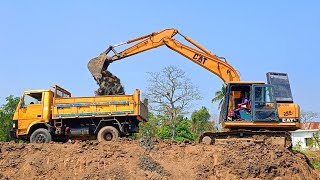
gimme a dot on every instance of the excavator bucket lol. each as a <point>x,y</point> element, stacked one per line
<point>97,65</point>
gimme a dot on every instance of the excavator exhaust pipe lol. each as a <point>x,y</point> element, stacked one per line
<point>97,64</point>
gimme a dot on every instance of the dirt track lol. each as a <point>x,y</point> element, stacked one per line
<point>127,159</point>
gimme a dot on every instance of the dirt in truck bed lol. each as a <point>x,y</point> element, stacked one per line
<point>155,159</point>
<point>109,84</point>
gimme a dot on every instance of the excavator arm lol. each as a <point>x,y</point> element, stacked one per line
<point>200,56</point>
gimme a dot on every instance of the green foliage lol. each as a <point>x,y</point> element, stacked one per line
<point>183,130</point>
<point>159,127</point>
<point>200,122</point>
<point>6,114</point>
<point>219,95</point>
<point>315,164</point>
<point>171,94</point>
<point>164,132</point>
<point>316,139</point>
<point>310,142</point>
<point>150,128</point>
<point>312,156</point>
<point>297,146</point>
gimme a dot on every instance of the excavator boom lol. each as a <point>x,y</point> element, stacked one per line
<point>200,56</point>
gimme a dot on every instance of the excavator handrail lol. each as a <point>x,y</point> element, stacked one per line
<point>202,57</point>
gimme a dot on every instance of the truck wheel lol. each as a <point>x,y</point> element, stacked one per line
<point>40,136</point>
<point>107,133</point>
<point>207,140</point>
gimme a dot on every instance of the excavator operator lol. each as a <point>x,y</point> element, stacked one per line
<point>244,105</point>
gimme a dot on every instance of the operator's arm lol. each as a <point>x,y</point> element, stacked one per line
<point>245,101</point>
<point>202,56</point>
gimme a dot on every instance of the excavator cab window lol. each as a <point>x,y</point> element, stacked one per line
<point>281,84</point>
<point>239,103</point>
<point>264,106</point>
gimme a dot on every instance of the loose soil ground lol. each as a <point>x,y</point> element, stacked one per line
<point>151,159</point>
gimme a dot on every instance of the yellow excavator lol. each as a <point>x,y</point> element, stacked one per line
<point>269,113</point>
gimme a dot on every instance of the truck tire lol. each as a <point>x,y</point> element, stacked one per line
<point>40,135</point>
<point>107,133</point>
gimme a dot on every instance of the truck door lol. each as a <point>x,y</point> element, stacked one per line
<point>31,109</point>
<point>264,105</point>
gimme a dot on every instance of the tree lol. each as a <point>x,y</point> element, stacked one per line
<point>149,128</point>
<point>316,139</point>
<point>219,96</point>
<point>164,132</point>
<point>200,122</point>
<point>171,93</point>
<point>6,114</point>
<point>183,129</point>
<point>309,116</point>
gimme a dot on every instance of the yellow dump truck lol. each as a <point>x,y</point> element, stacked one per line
<point>53,115</point>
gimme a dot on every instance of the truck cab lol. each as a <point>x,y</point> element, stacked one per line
<point>34,108</point>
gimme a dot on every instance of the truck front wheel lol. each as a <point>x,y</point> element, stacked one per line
<point>40,136</point>
<point>107,133</point>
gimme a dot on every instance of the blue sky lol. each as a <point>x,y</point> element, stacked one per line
<point>44,43</point>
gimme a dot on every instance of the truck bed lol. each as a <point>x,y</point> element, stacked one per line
<point>100,106</point>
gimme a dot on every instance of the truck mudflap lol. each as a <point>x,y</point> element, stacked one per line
<point>281,138</point>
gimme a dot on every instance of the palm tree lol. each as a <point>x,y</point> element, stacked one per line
<point>219,96</point>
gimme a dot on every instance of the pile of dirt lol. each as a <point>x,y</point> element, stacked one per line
<point>247,160</point>
<point>151,159</point>
<point>109,84</point>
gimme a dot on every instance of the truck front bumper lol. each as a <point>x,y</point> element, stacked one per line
<point>13,133</point>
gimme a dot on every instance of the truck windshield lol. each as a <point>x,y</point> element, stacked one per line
<point>32,98</point>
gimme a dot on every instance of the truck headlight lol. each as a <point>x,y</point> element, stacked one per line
<point>14,125</point>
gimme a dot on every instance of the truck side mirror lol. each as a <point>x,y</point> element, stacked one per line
<point>22,105</point>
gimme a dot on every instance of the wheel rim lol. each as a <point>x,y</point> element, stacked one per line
<point>108,136</point>
<point>40,138</point>
<point>207,140</point>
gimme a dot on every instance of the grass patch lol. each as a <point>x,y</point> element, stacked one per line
<point>316,164</point>
<point>313,156</point>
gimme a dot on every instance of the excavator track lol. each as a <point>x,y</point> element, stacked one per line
<point>281,138</point>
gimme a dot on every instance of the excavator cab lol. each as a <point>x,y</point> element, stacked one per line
<point>250,102</point>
